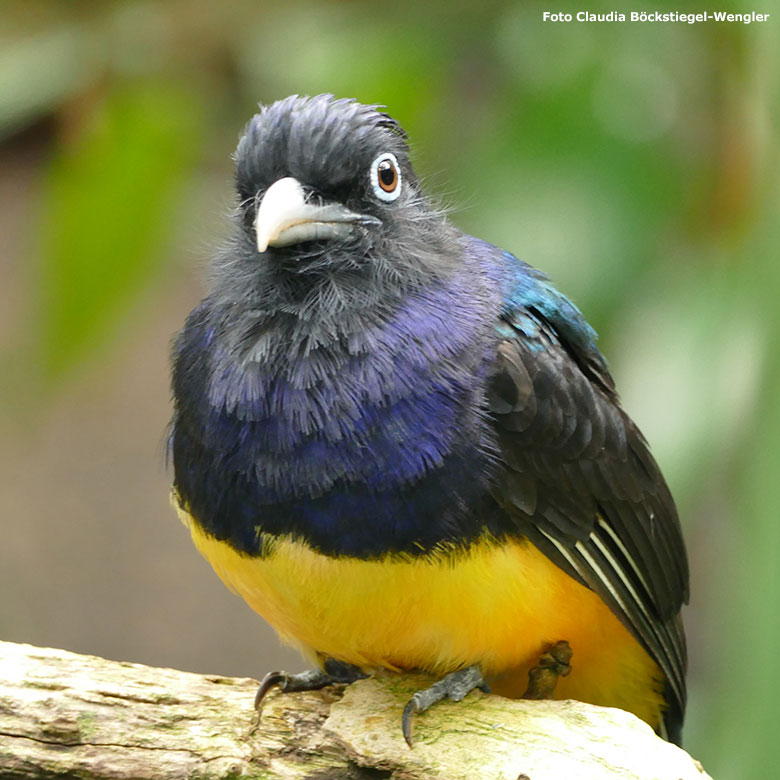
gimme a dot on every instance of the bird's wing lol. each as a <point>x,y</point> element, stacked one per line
<point>577,476</point>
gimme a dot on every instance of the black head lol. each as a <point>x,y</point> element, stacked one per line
<point>327,182</point>
<point>324,142</point>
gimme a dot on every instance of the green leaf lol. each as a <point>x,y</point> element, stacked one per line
<point>107,216</point>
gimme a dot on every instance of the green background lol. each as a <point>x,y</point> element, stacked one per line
<point>636,163</point>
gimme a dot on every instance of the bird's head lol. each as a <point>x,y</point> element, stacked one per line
<point>327,183</point>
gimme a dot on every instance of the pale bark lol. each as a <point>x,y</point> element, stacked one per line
<point>76,716</point>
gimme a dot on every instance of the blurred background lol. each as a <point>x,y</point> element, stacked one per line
<point>636,163</point>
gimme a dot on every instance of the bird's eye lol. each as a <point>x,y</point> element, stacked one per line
<point>386,177</point>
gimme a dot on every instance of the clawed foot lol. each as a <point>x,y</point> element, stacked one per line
<point>311,680</point>
<point>454,686</point>
<point>543,678</point>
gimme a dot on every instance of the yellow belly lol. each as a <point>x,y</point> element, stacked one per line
<point>496,605</point>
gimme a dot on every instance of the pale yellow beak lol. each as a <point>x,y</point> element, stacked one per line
<point>285,218</point>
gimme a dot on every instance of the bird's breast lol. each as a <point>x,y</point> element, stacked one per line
<point>375,441</point>
<point>498,603</point>
<point>382,453</point>
<point>451,606</point>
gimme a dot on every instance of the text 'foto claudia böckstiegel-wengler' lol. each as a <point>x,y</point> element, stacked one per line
<point>655,16</point>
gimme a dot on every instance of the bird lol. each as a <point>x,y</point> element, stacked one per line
<point>402,447</point>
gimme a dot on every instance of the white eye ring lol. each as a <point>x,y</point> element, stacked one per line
<point>381,186</point>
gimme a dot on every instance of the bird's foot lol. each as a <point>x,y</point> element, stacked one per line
<point>543,678</point>
<point>454,686</point>
<point>333,672</point>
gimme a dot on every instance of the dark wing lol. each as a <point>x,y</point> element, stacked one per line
<point>578,479</point>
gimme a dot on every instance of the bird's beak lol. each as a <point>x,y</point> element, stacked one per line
<point>284,217</point>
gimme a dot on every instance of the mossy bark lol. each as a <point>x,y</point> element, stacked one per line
<point>64,715</point>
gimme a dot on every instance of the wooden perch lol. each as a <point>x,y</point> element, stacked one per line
<point>72,716</point>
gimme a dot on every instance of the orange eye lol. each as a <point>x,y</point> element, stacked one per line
<point>386,177</point>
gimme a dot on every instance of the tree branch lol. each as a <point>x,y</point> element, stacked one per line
<point>64,715</point>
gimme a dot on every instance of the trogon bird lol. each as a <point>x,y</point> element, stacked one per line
<point>401,446</point>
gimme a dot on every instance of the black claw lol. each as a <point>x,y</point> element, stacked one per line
<point>271,680</point>
<point>311,680</point>
<point>410,710</point>
<point>455,686</point>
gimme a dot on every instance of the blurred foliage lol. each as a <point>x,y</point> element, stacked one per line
<point>637,164</point>
<point>111,196</point>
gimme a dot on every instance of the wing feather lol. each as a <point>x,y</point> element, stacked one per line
<point>578,479</point>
